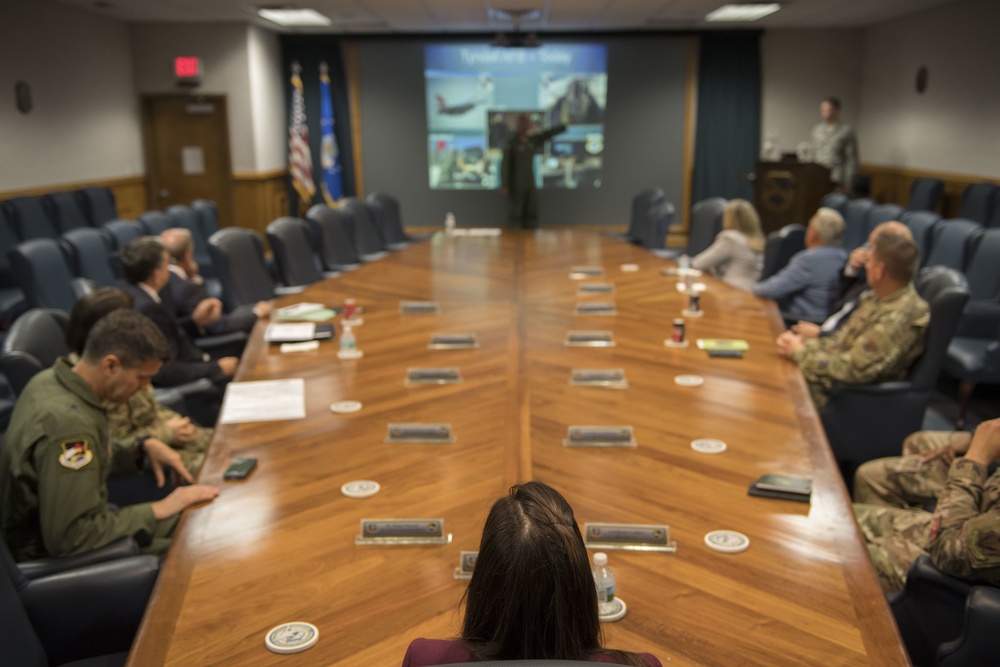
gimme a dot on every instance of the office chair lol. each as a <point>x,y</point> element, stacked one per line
<point>98,205</point>
<point>155,223</point>
<point>186,218</point>
<point>781,246</point>
<point>32,219</point>
<point>293,254</point>
<point>89,252</point>
<point>978,202</point>
<point>922,225</point>
<point>657,225</point>
<point>42,271</point>
<point>882,213</point>
<point>856,228</point>
<point>837,201</point>
<point>706,223</point>
<point>239,258</point>
<point>369,244</point>
<point>12,299</point>
<point>397,230</point>
<point>66,210</point>
<point>335,232</point>
<point>208,216</point>
<point>954,242</point>
<point>925,194</point>
<point>34,342</point>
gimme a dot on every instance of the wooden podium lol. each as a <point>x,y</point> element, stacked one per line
<point>788,192</point>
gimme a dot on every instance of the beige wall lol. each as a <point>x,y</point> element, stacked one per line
<point>267,100</point>
<point>85,123</point>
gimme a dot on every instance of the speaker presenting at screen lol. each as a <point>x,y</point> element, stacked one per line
<point>518,172</point>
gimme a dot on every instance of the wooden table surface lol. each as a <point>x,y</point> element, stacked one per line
<point>279,546</point>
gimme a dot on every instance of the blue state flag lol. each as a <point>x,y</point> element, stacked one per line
<point>332,184</point>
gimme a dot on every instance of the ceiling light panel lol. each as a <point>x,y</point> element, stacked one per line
<point>742,12</point>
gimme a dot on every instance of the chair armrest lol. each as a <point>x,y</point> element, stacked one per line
<point>202,386</point>
<point>980,319</point>
<point>44,567</point>
<point>294,289</point>
<point>221,340</point>
<point>883,388</point>
<point>171,398</point>
<point>94,610</point>
<point>979,643</point>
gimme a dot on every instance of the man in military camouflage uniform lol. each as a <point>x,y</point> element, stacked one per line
<point>57,456</point>
<point>834,145</point>
<point>884,335</point>
<point>962,534</point>
<point>517,173</point>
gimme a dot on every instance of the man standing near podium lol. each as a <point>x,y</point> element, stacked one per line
<point>518,172</point>
<point>834,145</point>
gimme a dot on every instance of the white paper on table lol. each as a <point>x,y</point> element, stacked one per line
<point>289,333</point>
<point>267,400</point>
<point>299,309</point>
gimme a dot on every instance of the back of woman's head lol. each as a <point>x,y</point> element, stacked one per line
<point>532,594</point>
<point>740,215</point>
<point>89,309</point>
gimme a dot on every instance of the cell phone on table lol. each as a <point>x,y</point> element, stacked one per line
<point>732,354</point>
<point>239,468</point>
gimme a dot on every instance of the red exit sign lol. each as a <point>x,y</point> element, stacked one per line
<point>187,68</point>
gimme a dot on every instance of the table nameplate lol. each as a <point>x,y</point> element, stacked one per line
<point>596,308</point>
<point>453,342</point>
<point>631,536</point>
<point>611,377</point>
<point>402,531</point>
<point>582,272</point>
<point>418,308</point>
<point>422,433</point>
<point>449,375</point>
<point>590,339</point>
<point>586,289</point>
<point>466,564</point>
<point>599,436</point>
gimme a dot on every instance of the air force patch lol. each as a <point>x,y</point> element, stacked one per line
<point>75,453</point>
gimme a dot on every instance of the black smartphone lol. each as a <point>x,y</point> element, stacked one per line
<point>734,354</point>
<point>239,468</point>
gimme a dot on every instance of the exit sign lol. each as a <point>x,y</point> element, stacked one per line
<point>187,71</point>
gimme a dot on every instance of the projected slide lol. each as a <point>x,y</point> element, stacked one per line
<point>475,94</point>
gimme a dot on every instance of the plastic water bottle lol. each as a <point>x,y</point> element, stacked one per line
<point>684,262</point>
<point>347,342</point>
<point>449,224</point>
<point>604,579</point>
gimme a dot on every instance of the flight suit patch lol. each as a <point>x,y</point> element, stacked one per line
<point>75,454</point>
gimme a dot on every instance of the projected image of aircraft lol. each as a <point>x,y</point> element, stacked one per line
<point>458,109</point>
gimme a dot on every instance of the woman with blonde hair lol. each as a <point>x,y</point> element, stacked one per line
<point>737,254</point>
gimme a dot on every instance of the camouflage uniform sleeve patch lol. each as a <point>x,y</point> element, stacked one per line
<point>984,545</point>
<point>75,453</point>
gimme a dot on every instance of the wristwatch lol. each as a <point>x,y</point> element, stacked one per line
<point>140,451</point>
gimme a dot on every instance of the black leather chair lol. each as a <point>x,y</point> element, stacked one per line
<point>706,223</point>
<point>388,227</point>
<point>42,270</point>
<point>12,299</point>
<point>922,225</point>
<point>781,246</point>
<point>368,241</point>
<point>334,237</point>
<point>658,220</point>
<point>155,223</point>
<point>954,243</point>
<point>65,207</point>
<point>946,621</point>
<point>239,258</point>
<point>33,344</point>
<point>293,253</point>
<point>89,252</point>
<point>882,213</point>
<point>925,194</point>
<point>394,219</point>
<point>123,231</point>
<point>856,228</point>
<point>85,610</point>
<point>865,422</point>
<point>835,200</point>
<point>208,216</point>
<point>98,204</point>
<point>641,204</point>
<point>32,219</point>
<point>979,201</point>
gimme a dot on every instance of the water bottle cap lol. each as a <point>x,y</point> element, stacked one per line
<point>600,559</point>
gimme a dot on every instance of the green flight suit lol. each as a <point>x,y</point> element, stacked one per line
<point>879,343</point>
<point>518,176</point>
<point>54,466</point>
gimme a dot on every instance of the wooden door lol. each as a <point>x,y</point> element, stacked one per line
<point>187,151</point>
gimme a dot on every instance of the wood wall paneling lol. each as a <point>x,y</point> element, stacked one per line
<point>129,191</point>
<point>258,199</point>
<point>892,185</point>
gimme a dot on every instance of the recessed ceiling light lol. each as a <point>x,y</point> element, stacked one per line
<point>747,12</point>
<point>294,17</point>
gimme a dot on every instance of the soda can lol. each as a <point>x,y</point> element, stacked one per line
<point>677,335</point>
<point>694,302</point>
<point>349,309</point>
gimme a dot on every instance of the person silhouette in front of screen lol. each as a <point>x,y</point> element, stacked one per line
<point>518,172</point>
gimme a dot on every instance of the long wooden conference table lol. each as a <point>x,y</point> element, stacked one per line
<point>280,546</point>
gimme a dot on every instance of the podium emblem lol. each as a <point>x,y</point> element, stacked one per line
<point>778,190</point>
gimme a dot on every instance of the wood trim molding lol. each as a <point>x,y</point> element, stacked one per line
<point>251,176</point>
<point>891,184</point>
<point>39,190</point>
<point>690,123</point>
<point>352,70</point>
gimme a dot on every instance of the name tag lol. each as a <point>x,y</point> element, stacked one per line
<point>586,289</point>
<point>595,308</point>
<point>466,564</point>
<point>582,272</point>
<point>590,339</point>
<point>613,377</point>
<point>418,307</point>
<point>422,433</point>
<point>402,531</point>
<point>433,376</point>
<point>600,436</point>
<point>632,536</point>
<point>453,341</point>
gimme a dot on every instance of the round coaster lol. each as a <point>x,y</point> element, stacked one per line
<point>694,273</point>
<point>689,380</point>
<point>350,354</point>
<point>291,637</point>
<point>727,541</point>
<point>629,268</point>
<point>343,407</point>
<point>672,343</point>
<point>353,322</point>
<point>364,488</point>
<point>696,287</point>
<point>708,446</point>
<point>616,611</point>
<point>692,313</point>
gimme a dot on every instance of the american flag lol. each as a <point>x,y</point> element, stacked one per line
<point>299,155</point>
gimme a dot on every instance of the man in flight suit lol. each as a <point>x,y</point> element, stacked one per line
<point>518,173</point>
<point>57,454</point>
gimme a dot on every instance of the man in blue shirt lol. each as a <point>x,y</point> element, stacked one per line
<point>808,286</point>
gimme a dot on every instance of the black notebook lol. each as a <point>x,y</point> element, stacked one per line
<point>783,487</point>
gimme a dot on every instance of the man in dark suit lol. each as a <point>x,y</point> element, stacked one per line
<point>145,262</point>
<point>187,288</point>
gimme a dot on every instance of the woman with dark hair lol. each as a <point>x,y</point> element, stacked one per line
<point>532,593</point>
<point>141,417</point>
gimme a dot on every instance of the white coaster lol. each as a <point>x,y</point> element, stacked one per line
<point>350,354</point>
<point>692,313</point>
<point>292,637</point>
<point>343,407</point>
<point>353,322</point>
<point>689,380</point>
<point>629,268</point>
<point>697,287</point>
<point>616,612</point>
<point>672,343</point>
<point>299,347</point>
<point>694,273</point>
<point>708,446</point>
<point>727,541</point>
<point>363,488</point>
